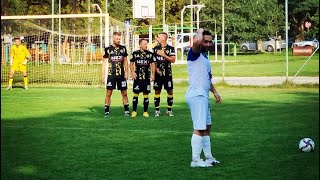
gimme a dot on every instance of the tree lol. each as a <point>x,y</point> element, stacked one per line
<point>245,20</point>
<point>300,11</point>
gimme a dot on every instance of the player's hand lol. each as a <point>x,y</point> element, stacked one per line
<point>159,71</point>
<point>161,53</point>
<point>134,75</point>
<point>218,97</point>
<point>103,78</point>
<point>11,63</point>
<point>126,76</point>
<point>25,62</point>
<point>200,31</point>
<point>152,78</point>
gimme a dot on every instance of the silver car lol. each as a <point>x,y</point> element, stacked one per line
<point>267,45</point>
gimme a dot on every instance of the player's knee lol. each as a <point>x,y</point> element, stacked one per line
<point>124,93</point>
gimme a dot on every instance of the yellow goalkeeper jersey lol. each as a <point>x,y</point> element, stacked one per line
<point>19,53</point>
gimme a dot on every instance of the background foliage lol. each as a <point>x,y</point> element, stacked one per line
<point>244,19</point>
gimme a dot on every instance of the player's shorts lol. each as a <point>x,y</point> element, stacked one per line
<point>200,112</point>
<point>165,81</point>
<point>19,67</point>
<point>117,81</point>
<point>141,86</point>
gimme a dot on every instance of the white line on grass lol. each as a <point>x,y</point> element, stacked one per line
<point>46,97</point>
<point>219,134</point>
<point>100,129</point>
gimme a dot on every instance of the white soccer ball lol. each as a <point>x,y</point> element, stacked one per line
<point>306,145</point>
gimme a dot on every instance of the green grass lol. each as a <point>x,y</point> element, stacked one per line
<point>60,133</point>
<point>257,65</point>
<point>247,65</point>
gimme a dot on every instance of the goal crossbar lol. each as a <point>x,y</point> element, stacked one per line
<point>53,16</point>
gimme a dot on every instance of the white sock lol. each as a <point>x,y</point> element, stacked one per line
<point>206,144</point>
<point>196,144</point>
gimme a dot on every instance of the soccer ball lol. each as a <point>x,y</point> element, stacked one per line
<point>306,145</point>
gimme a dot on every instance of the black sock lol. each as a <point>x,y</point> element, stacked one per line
<point>157,102</point>
<point>145,104</point>
<point>170,102</point>
<point>134,103</point>
<point>126,107</point>
<point>106,109</point>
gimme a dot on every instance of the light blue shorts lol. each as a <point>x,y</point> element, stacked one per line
<point>200,112</point>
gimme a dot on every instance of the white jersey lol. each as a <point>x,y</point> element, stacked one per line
<point>199,72</point>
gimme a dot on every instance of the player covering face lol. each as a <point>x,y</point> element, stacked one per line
<point>197,96</point>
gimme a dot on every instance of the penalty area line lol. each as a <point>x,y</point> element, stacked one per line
<point>99,129</point>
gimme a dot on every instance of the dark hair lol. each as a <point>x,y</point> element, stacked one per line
<point>164,33</point>
<point>16,37</point>
<point>143,39</point>
<point>205,32</point>
<point>117,33</point>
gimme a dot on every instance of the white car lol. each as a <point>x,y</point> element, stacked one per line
<point>313,42</point>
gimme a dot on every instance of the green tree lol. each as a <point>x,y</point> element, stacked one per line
<point>244,19</point>
<point>300,11</point>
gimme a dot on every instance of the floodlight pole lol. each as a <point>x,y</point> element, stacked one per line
<point>106,39</point>
<point>163,15</point>
<point>59,51</point>
<point>287,65</point>
<point>98,7</point>
<point>222,43</point>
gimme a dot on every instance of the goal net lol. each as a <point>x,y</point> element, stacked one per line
<point>64,51</point>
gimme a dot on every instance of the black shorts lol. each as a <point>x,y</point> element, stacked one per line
<point>165,81</point>
<point>141,86</point>
<point>118,81</point>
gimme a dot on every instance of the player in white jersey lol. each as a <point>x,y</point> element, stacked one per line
<point>197,95</point>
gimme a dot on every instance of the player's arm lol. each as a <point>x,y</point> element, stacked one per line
<point>133,73</point>
<point>126,68</point>
<point>11,56</point>
<point>103,73</point>
<point>153,70</point>
<point>27,54</point>
<point>215,94</point>
<point>196,46</point>
<point>171,59</point>
<point>104,64</point>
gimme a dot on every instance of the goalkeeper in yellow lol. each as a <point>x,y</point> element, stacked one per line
<point>19,56</point>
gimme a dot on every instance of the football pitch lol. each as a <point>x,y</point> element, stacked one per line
<point>60,133</point>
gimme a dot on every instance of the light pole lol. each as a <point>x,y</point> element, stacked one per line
<point>222,43</point>
<point>98,7</point>
<point>163,15</point>
<point>59,51</point>
<point>106,27</point>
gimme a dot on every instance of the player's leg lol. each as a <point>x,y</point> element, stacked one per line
<point>146,92</point>
<point>199,126</point>
<point>206,142</point>
<point>111,84</point>
<point>157,86</point>
<point>11,74</point>
<point>168,85</point>
<point>135,99</point>
<point>122,86</point>
<point>107,103</point>
<point>25,79</point>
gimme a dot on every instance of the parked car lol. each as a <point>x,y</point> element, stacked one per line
<point>183,41</point>
<point>267,45</point>
<point>308,42</point>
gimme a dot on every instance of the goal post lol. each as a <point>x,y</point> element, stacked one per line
<point>76,61</point>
